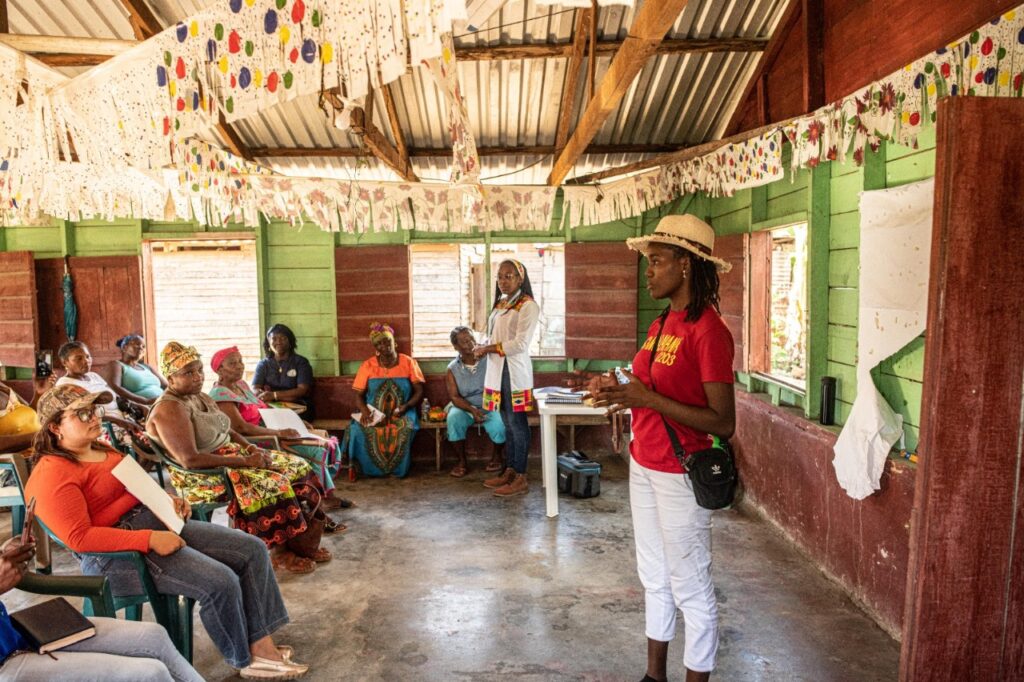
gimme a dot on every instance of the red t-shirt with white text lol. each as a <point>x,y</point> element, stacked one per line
<point>690,355</point>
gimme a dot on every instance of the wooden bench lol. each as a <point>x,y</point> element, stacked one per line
<point>440,430</point>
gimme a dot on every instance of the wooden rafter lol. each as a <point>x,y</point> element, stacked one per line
<point>678,155</point>
<point>768,57</point>
<point>143,21</point>
<point>396,129</point>
<point>5,25</point>
<point>63,50</point>
<point>419,152</point>
<point>379,145</point>
<point>652,21</point>
<point>812,15</point>
<point>572,77</point>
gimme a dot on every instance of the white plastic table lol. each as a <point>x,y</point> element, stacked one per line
<point>548,447</point>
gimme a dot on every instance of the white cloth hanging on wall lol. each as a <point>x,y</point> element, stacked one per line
<point>895,245</point>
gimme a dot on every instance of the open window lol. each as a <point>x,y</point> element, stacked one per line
<point>778,304</point>
<point>453,284</point>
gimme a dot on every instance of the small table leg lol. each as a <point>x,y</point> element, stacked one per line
<point>549,453</point>
<point>437,449</point>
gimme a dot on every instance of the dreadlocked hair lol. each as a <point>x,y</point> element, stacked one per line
<point>703,284</point>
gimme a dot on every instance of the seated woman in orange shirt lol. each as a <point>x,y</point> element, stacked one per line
<point>392,383</point>
<point>227,571</point>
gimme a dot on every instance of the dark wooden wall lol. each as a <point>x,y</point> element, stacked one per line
<point>19,332</point>
<point>372,285</point>
<point>965,605</point>
<point>600,300</point>
<point>108,291</point>
<point>862,41</point>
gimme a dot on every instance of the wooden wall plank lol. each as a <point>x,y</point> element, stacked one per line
<point>360,274</point>
<point>597,274</point>
<point>19,328</point>
<point>966,551</point>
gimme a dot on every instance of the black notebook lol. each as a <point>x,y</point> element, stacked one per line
<point>52,625</point>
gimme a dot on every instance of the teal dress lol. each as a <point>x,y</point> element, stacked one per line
<point>386,448</point>
<point>140,381</point>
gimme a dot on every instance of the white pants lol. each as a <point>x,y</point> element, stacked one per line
<point>673,558</point>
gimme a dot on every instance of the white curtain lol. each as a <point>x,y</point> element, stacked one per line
<point>895,244</point>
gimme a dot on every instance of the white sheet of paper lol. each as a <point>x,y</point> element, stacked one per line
<point>276,418</point>
<point>376,416</point>
<point>148,492</point>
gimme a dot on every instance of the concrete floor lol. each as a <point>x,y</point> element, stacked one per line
<point>436,579</point>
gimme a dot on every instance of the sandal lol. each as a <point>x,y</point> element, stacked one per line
<point>331,527</point>
<point>322,555</point>
<point>494,466</point>
<point>293,563</point>
<point>457,472</point>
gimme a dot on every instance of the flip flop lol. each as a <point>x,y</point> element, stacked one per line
<point>321,556</point>
<point>331,527</point>
<point>293,563</point>
<point>494,466</point>
<point>457,472</point>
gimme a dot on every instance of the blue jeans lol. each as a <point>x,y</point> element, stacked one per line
<point>120,651</point>
<point>459,421</point>
<point>517,428</point>
<point>227,571</point>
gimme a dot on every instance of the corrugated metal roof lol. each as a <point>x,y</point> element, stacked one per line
<point>678,99</point>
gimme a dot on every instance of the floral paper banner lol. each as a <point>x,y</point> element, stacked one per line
<point>989,62</point>
<point>466,166</point>
<point>750,163</point>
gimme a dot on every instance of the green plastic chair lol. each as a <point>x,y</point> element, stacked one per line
<point>202,511</point>
<point>94,589</point>
<point>173,611</point>
<point>135,452</point>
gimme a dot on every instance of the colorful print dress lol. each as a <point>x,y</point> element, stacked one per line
<point>386,448</point>
<point>267,503</point>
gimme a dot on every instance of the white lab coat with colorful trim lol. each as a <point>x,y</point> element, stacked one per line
<point>511,327</point>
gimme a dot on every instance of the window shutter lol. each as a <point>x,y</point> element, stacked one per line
<point>372,284</point>
<point>108,291</point>
<point>600,301</point>
<point>19,329</point>
<point>732,292</point>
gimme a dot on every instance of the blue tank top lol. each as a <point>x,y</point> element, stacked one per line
<point>470,380</point>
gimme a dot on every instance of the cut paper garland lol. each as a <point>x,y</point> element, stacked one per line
<point>36,124</point>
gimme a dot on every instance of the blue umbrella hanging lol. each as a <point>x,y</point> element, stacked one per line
<point>70,307</point>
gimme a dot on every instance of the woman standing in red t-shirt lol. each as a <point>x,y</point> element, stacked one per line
<point>688,381</point>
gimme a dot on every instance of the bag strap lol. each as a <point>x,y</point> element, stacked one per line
<point>677,447</point>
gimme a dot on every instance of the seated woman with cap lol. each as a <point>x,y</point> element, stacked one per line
<point>228,572</point>
<point>275,496</point>
<point>242,406</point>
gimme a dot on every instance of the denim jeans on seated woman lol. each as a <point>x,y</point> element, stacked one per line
<point>120,651</point>
<point>227,571</point>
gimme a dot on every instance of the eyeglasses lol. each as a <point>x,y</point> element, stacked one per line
<point>86,414</point>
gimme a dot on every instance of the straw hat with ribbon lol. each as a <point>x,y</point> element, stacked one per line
<point>685,231</point>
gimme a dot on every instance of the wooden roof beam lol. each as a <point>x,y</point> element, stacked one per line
<point>143,21</point>
<point>419,152</point>
<point>572,77</point>
<point>73,51</point>
<point>379,145</point>
<point>5,25</point>
<point>812,15</point>
<point>649,27</point>
<point>396,129</point>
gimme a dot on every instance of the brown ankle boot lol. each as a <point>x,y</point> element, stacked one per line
<point>504,479</point>
<point>517,486</point>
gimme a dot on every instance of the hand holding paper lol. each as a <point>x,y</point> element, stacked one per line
<point>146,490</point>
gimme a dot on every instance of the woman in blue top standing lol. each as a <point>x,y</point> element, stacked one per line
<point>284,375</point>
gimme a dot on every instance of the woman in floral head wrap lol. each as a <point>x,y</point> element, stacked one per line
<point>389,388</point>
<point>274,493</point>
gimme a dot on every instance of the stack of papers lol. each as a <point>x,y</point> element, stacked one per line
<point>561,396</point>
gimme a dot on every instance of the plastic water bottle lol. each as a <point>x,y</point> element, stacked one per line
<point>425,410</point>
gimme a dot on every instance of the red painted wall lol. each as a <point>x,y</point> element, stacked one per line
<point>786,465</point>
<point>865,40</point>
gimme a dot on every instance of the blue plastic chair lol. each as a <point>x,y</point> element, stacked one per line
<point>173,611</point>
<point>13,496</point>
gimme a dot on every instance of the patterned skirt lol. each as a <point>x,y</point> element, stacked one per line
<point>267,503</point>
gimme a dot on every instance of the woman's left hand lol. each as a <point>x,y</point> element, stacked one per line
<point>182,508</point>
<point>398,412</point>
<point>620,397</point>
<point>266,396</point>
<point>288,433</point>
<point>480,351</point>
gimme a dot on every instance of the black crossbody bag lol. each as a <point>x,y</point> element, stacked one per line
<point>712,471</point>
